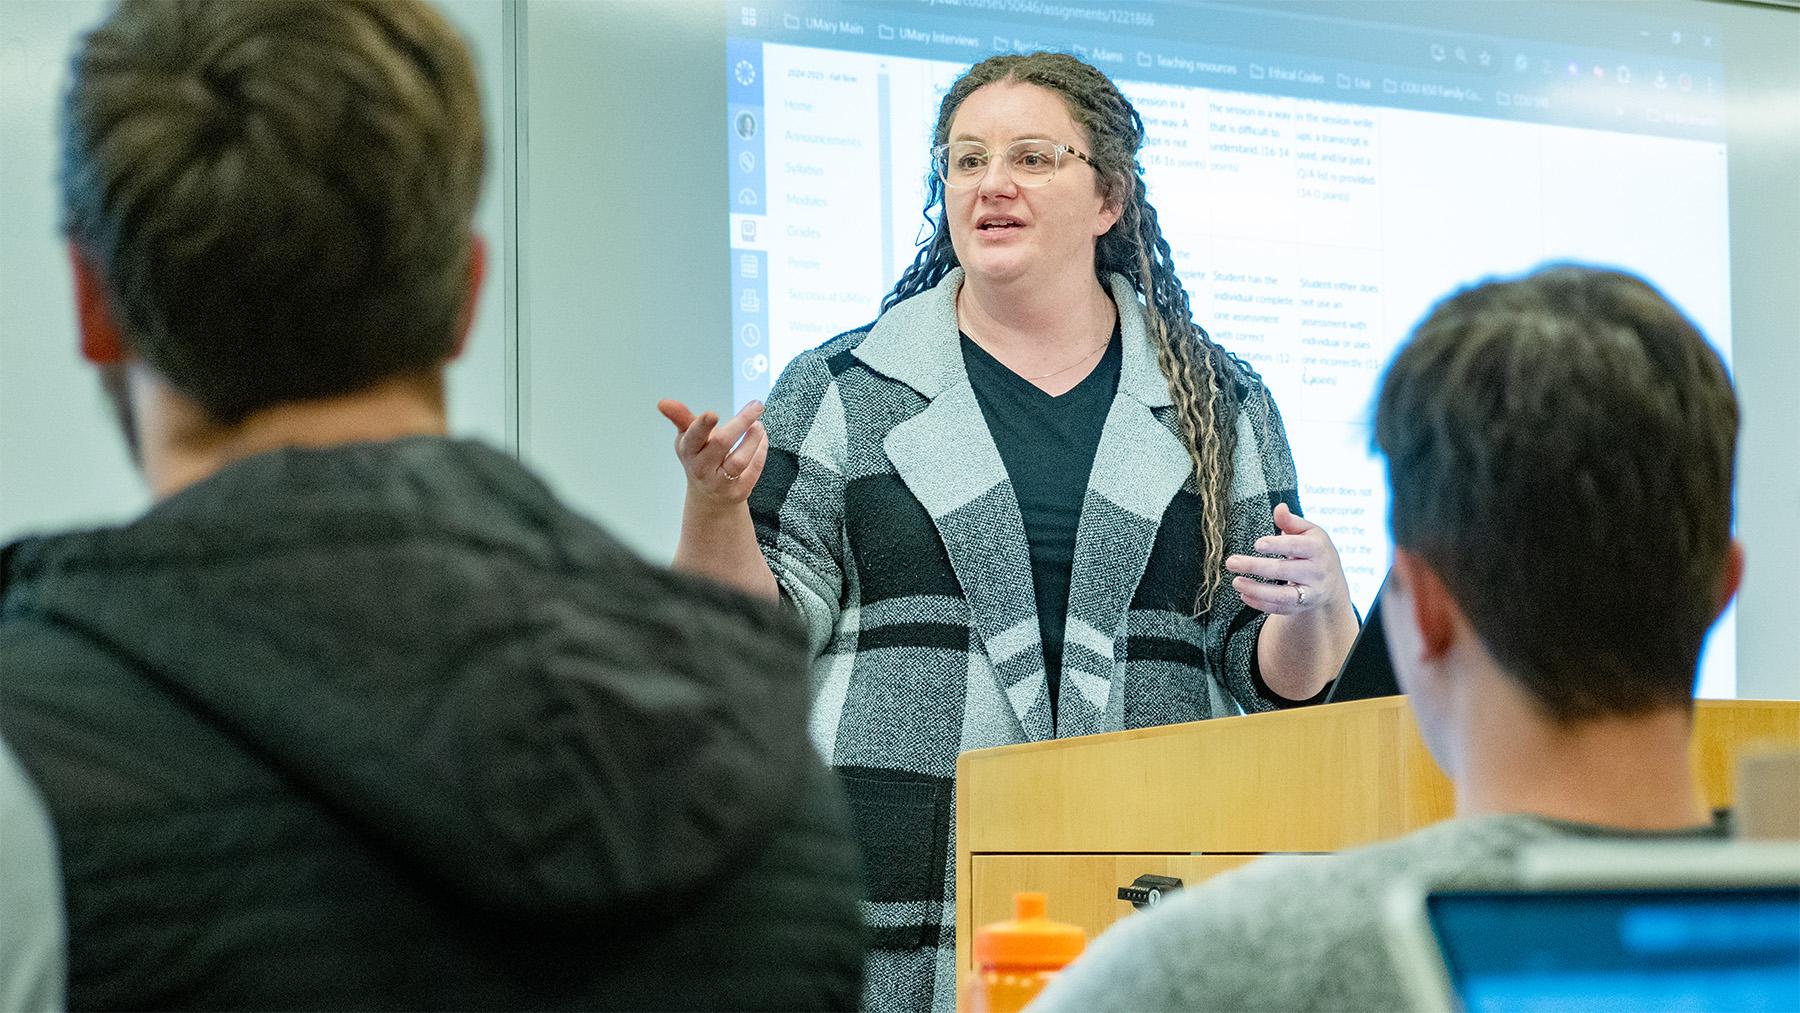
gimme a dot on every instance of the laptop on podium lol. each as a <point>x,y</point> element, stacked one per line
<point>1367,671</point>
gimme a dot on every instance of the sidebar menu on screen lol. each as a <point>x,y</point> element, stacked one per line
<point>749,268</point>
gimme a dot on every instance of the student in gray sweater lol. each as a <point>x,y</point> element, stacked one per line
<point>1560,456</point>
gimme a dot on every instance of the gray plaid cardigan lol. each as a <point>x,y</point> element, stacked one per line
<point>888,519</point>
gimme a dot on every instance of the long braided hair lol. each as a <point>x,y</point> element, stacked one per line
<point>1202,376</point>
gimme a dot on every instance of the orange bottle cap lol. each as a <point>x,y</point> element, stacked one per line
<point>1030,939</point>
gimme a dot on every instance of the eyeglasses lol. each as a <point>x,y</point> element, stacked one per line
<point>1031,162</point>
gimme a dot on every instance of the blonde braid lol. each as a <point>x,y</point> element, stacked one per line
<point>1196,391</point>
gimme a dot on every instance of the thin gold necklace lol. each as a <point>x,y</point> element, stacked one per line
<point>1096,349</point>
<point>1041,376</point>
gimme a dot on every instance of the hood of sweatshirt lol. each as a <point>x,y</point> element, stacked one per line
<point>419,635</point>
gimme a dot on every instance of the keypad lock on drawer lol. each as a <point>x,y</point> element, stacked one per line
<point>1146,891</point>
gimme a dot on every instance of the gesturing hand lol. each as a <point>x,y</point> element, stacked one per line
<point>1307,570</point>
<point>722,462</point>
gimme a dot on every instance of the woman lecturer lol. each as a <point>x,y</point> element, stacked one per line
<point>1033,499</point>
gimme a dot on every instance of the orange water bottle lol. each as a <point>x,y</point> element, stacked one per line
<point>1014,960</point>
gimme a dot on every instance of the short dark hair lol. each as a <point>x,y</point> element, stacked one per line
<point>277,195</point>
<point>1560,451</point>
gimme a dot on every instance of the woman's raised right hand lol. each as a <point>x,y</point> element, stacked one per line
<point>722,461</point>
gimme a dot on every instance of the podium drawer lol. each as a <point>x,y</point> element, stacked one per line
<point>1083,889</point>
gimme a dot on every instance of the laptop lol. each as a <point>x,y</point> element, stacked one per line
<point>1366,671</point>
<point>1615,926</point>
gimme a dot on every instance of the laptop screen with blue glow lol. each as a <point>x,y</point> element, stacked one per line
<point>1665,949</point>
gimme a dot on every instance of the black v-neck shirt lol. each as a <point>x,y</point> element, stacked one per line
<point>1047,444</point>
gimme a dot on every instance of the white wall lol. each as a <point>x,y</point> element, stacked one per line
<point>622,275</point>
<point>1765,302</point>
<point>61,460</point>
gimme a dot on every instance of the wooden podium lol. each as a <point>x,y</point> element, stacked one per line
<point>1079,818</point>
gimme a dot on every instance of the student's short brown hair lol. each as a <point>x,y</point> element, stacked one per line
<point>1560,451</point>
<point>277,194</point>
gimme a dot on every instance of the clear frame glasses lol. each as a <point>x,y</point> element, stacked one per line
<point>1030,162</point>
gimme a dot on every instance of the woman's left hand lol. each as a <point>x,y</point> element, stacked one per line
<point>1306,566</point>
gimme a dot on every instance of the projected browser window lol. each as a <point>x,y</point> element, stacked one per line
<point>1322,182</point>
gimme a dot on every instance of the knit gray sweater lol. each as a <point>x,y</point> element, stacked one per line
<point>1300,933</point>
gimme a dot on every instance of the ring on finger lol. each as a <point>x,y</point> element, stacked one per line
<point>1299,595</point>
